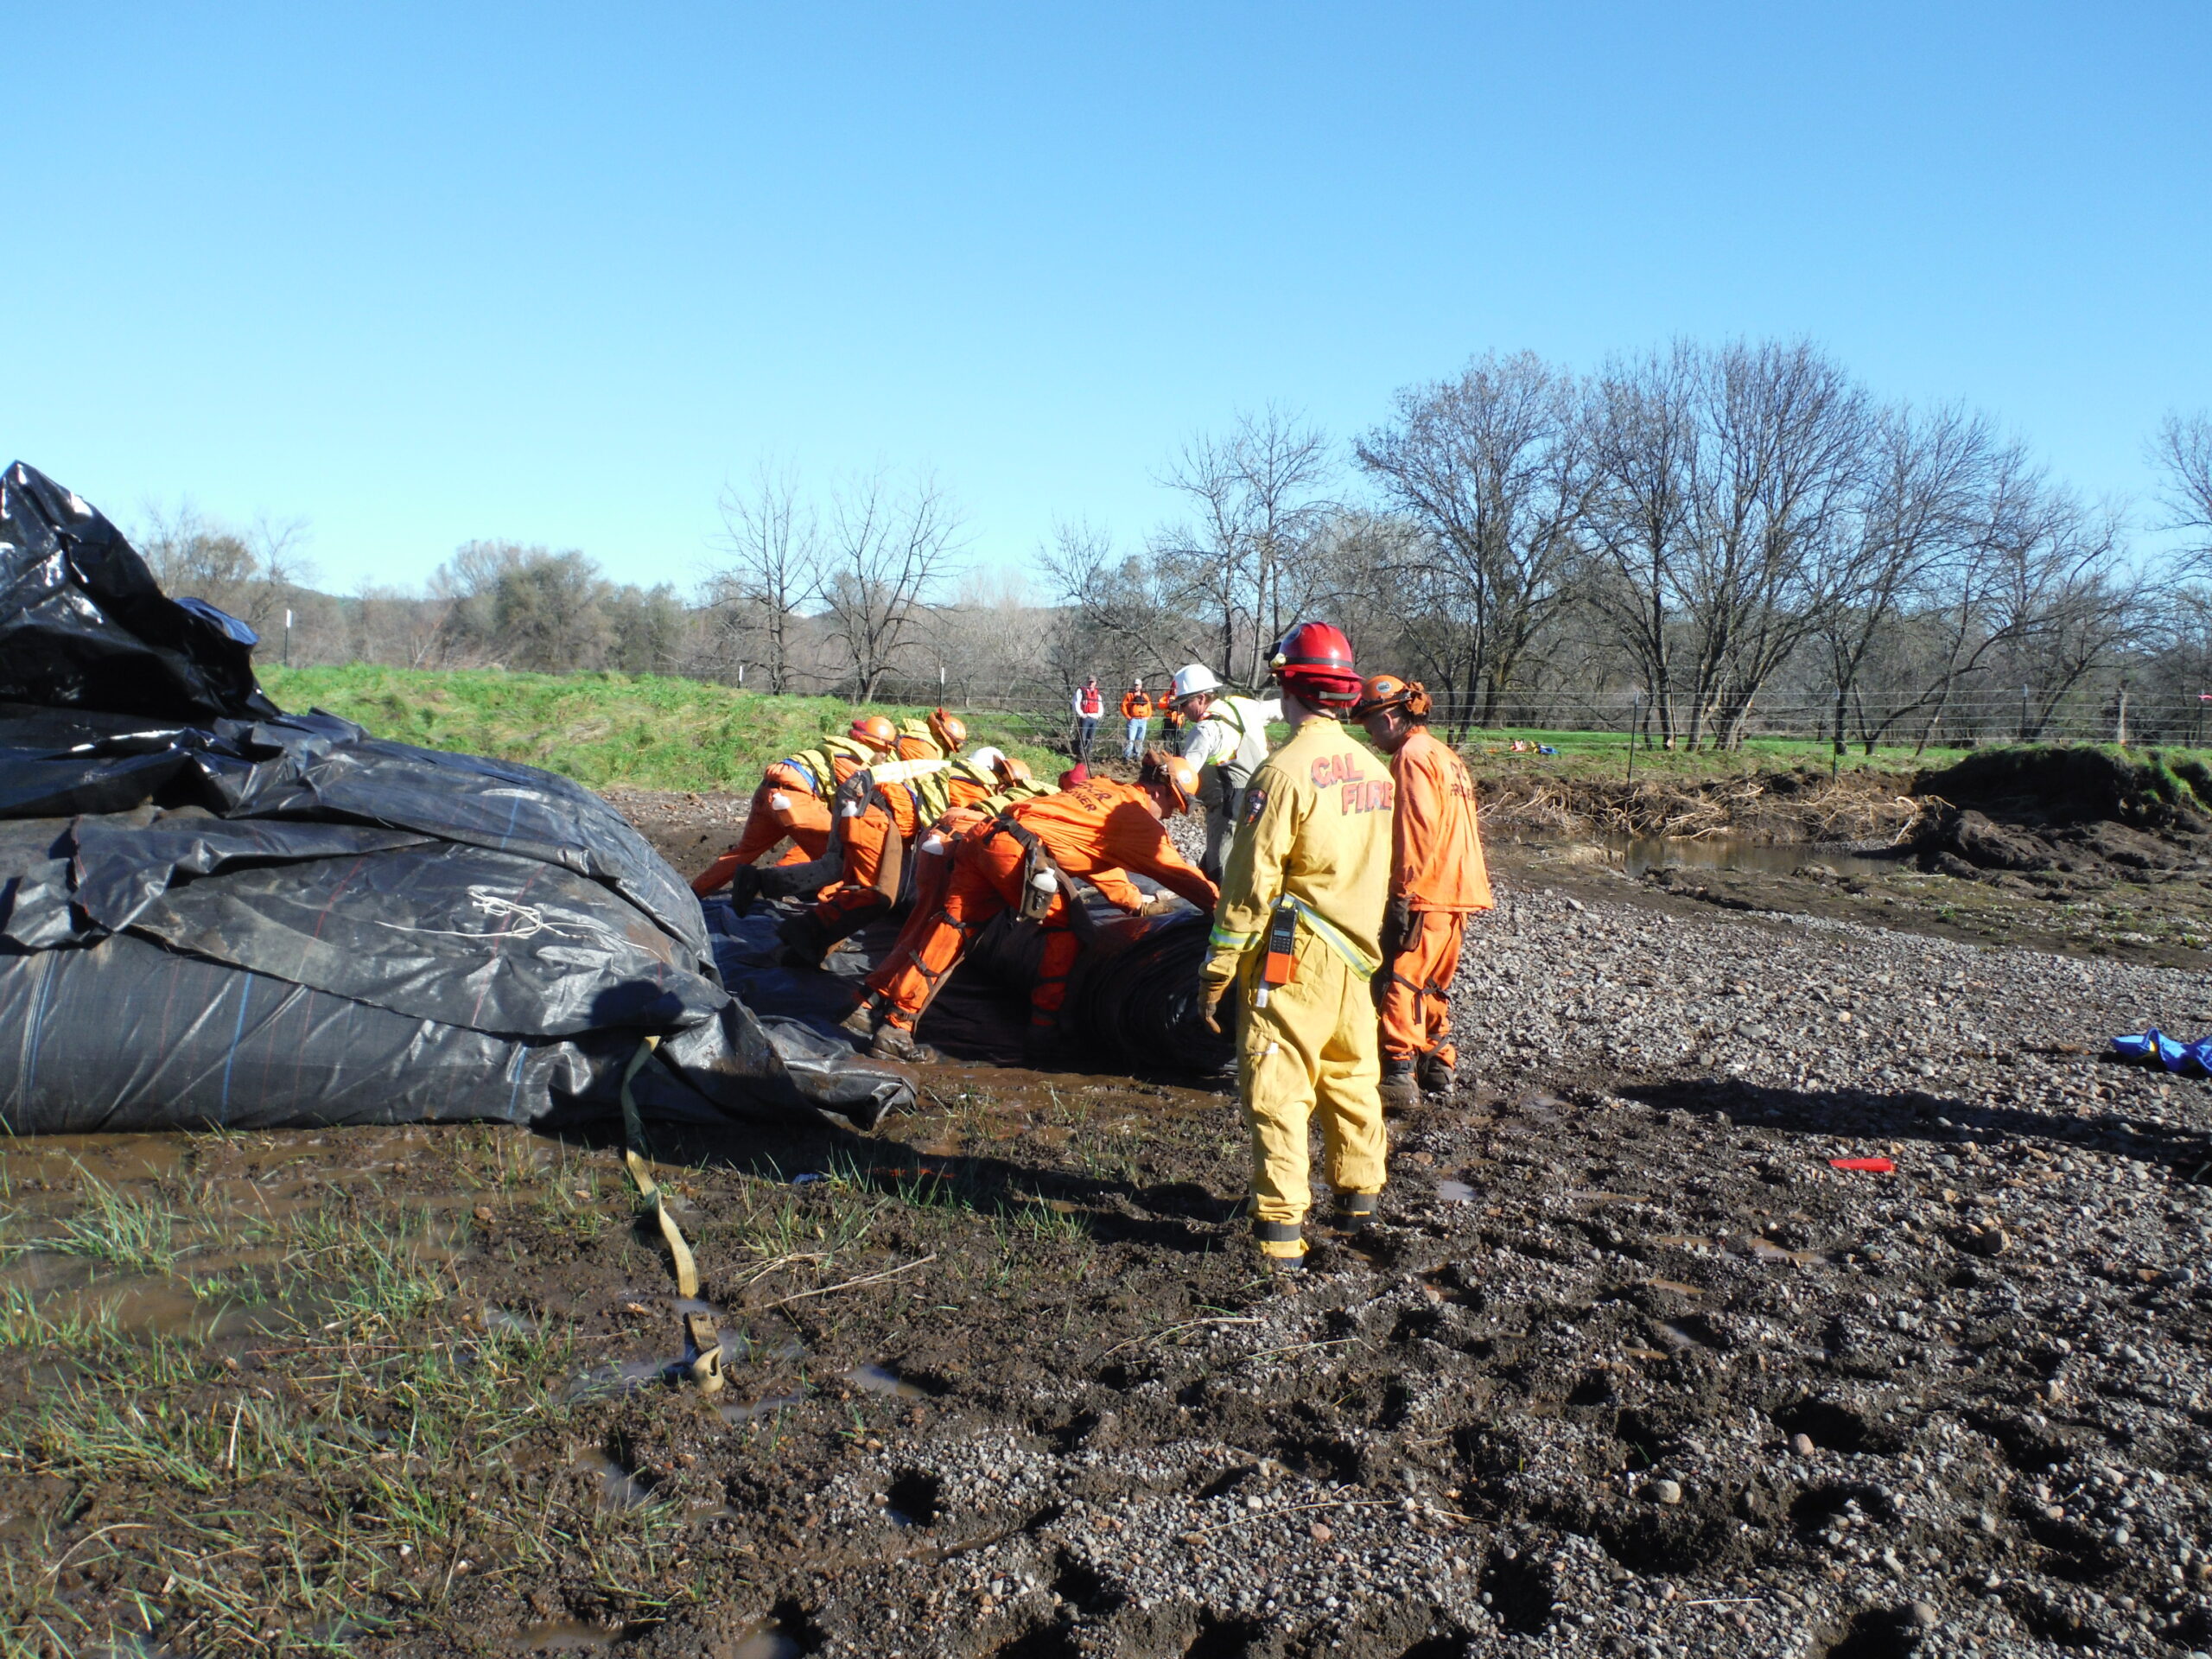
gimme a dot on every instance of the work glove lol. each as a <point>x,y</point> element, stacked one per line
<point>1160,904</point>
<point>1211,994</point>
<point>1397,926</point>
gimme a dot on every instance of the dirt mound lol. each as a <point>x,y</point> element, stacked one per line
<point>2063,812</point>
<point>1803,803</point>
<point>2057,785</point>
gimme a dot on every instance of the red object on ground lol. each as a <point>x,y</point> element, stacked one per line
<point>1871,1166</point>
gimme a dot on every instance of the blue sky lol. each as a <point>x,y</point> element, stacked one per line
<point>422,275</point>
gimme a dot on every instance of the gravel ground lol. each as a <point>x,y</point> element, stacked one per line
<point>1631,1368</point>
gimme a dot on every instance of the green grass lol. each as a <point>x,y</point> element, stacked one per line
<point>119,1229</point>
<point>641,731</point>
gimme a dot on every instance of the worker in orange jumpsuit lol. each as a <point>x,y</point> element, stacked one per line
<point>793,800</point>
<point>971,808</point>
<point>1025,859</point>
<point>876,819</point>
<point>1438,880</point>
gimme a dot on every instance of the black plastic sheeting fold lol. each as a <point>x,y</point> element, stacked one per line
<point>215,913</point>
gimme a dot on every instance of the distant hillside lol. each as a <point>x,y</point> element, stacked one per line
<point>641,731</point>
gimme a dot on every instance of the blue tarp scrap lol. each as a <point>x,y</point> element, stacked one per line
<point>2174,1055</point>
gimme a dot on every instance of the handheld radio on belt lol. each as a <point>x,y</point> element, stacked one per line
<point>1276,965</point>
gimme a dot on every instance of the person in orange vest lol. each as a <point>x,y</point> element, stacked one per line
<point>1027,860</point>
<point>1136,709</point>
<point>878,814</point>
<point>793,800</point>
<point>1090,707</point>
<point>1438,879</point>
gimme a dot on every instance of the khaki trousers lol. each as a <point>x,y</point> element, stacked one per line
<point>1312,1049</point>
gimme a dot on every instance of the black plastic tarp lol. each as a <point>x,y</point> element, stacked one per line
<point>213,912</point>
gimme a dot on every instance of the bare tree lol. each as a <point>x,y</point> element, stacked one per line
<point>252,574</point>
<point>1924,480</point>
<point>1125,614</point>
<point>1785,431</point>
<point>1645,436</point>
<point>774,573</point>
<point>1256,495</point>
<point>1494,468</point>
<point>886,550</point>
<point>2182,451</point>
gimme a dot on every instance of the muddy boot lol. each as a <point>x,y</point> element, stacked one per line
<point>1278,1233</point>
<point>1435,1073</point>
<point>1398,1089</point>
<point>862,1021</point>
<point>805,940</point>
<point>897,1042</point>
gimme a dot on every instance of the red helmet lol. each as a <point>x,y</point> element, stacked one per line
<point>876,731</point>
<point>1388,691</point>
<point>1313,661</point>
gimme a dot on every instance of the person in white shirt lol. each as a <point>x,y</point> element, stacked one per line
<point>1228,734</point>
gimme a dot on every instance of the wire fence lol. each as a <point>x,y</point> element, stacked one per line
<point>1885,720</point>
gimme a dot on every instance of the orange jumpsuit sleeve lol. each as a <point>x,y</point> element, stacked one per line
<point>1137,840</point>
<point>1415,828</point>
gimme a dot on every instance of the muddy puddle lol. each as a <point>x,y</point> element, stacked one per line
<point>1637,855</point>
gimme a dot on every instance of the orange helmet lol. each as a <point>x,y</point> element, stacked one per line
<point>876,731</point>
<point>1011,769</point>
<point>1180,777</point>
<point>950,730</point>
<point>1388,691</point>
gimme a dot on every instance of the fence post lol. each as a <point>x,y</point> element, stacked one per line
<point>2119,735</point>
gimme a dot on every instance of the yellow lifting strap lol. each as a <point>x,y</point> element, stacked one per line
<point>702,1340</point>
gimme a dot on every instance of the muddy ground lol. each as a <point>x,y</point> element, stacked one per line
<point>1628,1367</point>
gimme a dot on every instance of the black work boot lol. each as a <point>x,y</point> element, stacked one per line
<point>1435,1073</point>
<point>1398,1088</point>
<point>1353,1212</point>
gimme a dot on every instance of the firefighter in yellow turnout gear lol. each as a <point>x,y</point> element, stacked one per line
<point>1298,935</point>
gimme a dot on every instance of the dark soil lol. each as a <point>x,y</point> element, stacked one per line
<point>1626,1368</point>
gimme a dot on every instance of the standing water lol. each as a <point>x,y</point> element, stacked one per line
<point>1637,853</point>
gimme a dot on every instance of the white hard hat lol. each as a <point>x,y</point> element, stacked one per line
<point>1191,679</point>
<point>985,758</point>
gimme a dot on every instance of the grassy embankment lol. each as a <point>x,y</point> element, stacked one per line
<point>607,730</point>
<point>650,732</point>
